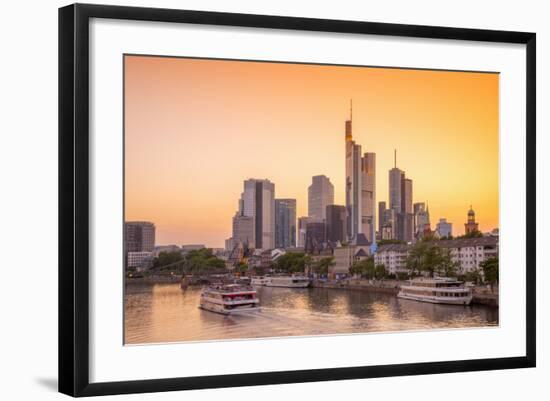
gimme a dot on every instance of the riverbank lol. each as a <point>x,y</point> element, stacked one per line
<point>387,287</point>
<point>480,294</point>
<point>153,279</point>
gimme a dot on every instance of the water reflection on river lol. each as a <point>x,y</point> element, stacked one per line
<point>165,313</point>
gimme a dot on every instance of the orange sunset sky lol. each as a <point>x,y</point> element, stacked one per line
<point>195,129</point>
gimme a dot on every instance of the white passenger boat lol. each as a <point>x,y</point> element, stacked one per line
<point>288,281</point>
<point>437,290</point>
<point>259,280</point>
<point>229,299</point>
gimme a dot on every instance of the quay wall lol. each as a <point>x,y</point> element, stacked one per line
<point>485,299</point>
<point>159,279</point>
<point>480,296</point>
<point>359,285</point>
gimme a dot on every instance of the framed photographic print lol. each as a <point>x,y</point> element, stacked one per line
<point>276,199</point>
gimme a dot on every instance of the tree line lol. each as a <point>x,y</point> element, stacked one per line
<point>424,258</point>
<point>195,261</point>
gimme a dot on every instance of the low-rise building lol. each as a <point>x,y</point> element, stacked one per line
<point>344,256</point>
<point>361,244</point>
<point>139,260</point>
<point>266,258</point>
<point>468,252</point>
<point>393,256</point>
<point>191,247</point>
<point>165,248</point>
<point>254,261</point>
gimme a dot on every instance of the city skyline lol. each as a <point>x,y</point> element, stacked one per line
<point>192,201</point>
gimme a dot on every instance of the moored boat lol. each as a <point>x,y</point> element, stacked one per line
<point>259,280</point>
<point>437,290</point>
<point>288,281</point>
<point>229,298</point>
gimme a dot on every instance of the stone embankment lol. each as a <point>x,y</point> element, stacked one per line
<point>482,296</point>
<point>385,286</point>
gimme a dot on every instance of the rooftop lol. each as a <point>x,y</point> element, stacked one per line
<point>451,243</point>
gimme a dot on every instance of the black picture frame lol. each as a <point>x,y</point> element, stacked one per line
<point>74,198</point>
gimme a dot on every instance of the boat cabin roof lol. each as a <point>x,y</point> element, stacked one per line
<point>228,288</point>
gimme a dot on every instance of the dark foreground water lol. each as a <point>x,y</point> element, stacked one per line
<point>165,313</point>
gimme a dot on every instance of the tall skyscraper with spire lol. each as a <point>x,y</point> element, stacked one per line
<point>360,187</point>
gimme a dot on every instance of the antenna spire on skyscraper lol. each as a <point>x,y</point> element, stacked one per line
<point>349,136</point>
<point>395,158</point>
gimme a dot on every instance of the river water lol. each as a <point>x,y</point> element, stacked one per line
<point>157,313</point>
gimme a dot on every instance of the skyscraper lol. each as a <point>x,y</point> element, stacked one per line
<point>368,196</point>
<point>302,226</point>
<point>444,229</point>
<point>407,210</point>
<point>258,201</point>
<point>243,230</point>
<point>381,217</point>
<point>360,187</point>
<point>421,218</point>
<point>390,224</point>
<point>315,236</point>
<point>285,223</point>
<point>400,197</point>
<point>139,236</point>
<point>320,194</point>
<point>336,223</point>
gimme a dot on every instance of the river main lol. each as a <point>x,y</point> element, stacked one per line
<point>156,313</point>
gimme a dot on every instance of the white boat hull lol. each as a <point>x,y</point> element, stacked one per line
<point>219,308</point>
<point>438,300</point>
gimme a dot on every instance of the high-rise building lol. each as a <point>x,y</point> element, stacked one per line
<point>368,196</point>
<point>315,236</point>
<point>418,207</point>
<point>381,217</point>
<point>243,230</point>
<point>301,232</point>
<point>400,197</point>
<point>421,219</point>
<point>407,204</point>
<point>390,224</point>
<point>360,187</point>
<point>407,215</point>
<point>336,223</point>
<point>444,229</point>
<point>258,201</point>
<point>320,194</point>
<point>395,189</point>
<point>229,244</point>
<point>302,227</point>
<point>285,223</point>
<point>471,225</point>
<point>139,236</point>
